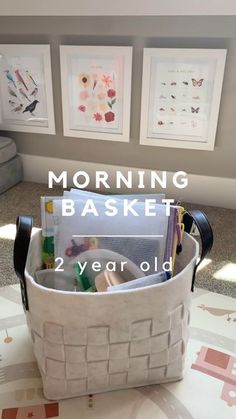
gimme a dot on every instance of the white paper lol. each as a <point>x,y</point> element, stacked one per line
<point>22,85</point>
<point>180,98</point>
<point>95,91</point>
<point>134,236</point>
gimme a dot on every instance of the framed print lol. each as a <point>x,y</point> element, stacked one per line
<point>96,88</point>
<point>26,97</point>
<point>181,92</point>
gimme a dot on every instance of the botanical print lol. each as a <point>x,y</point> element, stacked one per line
<point>180,98</point>
<point>23,96</point>
<point>96,94</point>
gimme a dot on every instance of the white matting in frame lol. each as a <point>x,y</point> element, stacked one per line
<point>96,90</point>
<point>181,91</point>
<point>26,102</point>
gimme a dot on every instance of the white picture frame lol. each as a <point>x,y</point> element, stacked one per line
<point>26,94</point>
<point>96,91</point>
<point>181,92</point>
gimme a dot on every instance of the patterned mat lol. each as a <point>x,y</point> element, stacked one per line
<point>207,391</point>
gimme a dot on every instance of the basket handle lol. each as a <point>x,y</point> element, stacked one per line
<point>24,226</point>
<point>205,231</point>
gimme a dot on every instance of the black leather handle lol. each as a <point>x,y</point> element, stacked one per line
<point>24,226</point>
<point>205,231</point>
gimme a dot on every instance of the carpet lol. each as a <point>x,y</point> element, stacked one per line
<point>218,274</point>
<point>207,391</point>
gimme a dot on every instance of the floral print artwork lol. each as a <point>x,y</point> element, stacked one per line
<point>97,98</point>
<point>95,94</point>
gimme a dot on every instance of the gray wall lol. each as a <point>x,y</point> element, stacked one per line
<point>140,32</point>
<point>116,8</point>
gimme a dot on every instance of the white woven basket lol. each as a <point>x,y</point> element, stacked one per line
<point>94,342</point>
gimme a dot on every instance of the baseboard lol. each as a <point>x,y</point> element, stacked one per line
<point>205,190</point>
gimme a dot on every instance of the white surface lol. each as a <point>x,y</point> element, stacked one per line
<point>200,190</point>
<point>178,63</point>
<point>113,59</point>
<point>42,56</point>
<point>122,7</point>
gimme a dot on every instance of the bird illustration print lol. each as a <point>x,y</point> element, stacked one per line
<point>20,78</point>
<point>31,78</point>
<point>18,108</point>
<point>23,94</point>
<point>11,92</point>
<point>34,92</point>
<point>30,108</point>
<point>10,78</point>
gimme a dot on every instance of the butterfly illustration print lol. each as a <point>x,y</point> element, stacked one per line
<point>173,97</point>
<point>195,110</point>
<point>173,83</point>
<point>197,82</point>
<point>160,123</point>
<point>185,82</point>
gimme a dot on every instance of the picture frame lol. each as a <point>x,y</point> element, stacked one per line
<point>26,94</point>
<point>181,92</point>
<point>96,91</point>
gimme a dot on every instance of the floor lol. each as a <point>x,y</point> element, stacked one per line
<point>218,274</point>
<point>207,391</point>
